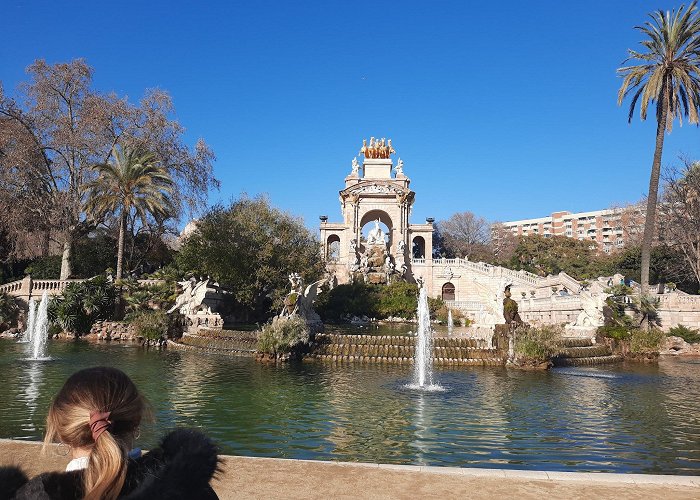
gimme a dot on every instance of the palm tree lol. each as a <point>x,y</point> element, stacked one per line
<point>669,76</point>
<point>134,182</point>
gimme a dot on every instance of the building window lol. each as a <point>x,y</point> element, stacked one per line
<point>333,247</point>
<point>418,248</point>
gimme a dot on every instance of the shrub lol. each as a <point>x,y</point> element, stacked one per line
<point>617,332</point>
<point>45,268</point>
<point>8,310</point>
<point>353,299</point>
<point>82,304</point>
<point>398,300</point>
<point>151,325</point>
<point>283,337</point>
<point>147,297</point>
<point>435,305</point>
<point>441,314</point>
<point>690,335</point>
<point>536,344</point>
<point>643,341</point>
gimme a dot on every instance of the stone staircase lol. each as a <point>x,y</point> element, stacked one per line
<point>230,342</point>
<point>582,352</point>
<point>399,349</point>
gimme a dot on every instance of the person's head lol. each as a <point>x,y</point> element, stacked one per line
<point>98,409</point>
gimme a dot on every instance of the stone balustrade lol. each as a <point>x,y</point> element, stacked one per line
<point>29,288</point>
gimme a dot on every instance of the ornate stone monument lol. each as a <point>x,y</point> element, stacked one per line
<point>372,195</point>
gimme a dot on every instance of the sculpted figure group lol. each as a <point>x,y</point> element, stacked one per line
<point>377,148</point>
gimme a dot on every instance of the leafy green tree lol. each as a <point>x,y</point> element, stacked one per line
<point>45,268</point>
<point>667,265</point>
<point>544,256</point>
<point>669,76</point>
<point>252,248</point>
<point>132,182</point>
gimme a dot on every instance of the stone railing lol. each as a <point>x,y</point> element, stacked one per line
<point>465,305</point>
<point>550,303</point>
<point>677,298</point>
<point>490,270</point>
<point>11,288</point>
<point>418,261</point>
<point>28,288</point>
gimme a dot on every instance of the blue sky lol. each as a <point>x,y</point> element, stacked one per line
<point>506,109</point>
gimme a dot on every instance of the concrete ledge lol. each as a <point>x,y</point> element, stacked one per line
<point>258,477</point>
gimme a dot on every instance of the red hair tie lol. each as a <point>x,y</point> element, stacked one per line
<point>99,422</point>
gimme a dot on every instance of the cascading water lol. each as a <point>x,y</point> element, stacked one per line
<point>40,331</point>
<point>423,359</point>
<point>31,321</point>
<point>450,323</point>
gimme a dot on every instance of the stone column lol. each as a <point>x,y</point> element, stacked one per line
<point>25,290</point>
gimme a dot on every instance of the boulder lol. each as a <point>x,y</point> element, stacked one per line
<point>676,346</point>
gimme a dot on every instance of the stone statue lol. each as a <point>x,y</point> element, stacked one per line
<point>377,148</point>
<point>376,235</point>
<point>401,247</point>
<point>388,265</point>
<point>592,314</point>
<point>193,298</point>
<point>354,263</point>
<point>355,166</point>
<point>510,309</point>
<point>299,302</point>
<point>200,300</point>
<point>364,150</point>
<point>296,282</point>
<point>399,166</point>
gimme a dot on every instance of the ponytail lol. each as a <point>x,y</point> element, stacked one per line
<point>106,470</point>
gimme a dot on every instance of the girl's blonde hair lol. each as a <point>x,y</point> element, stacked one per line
<point>85,393</point>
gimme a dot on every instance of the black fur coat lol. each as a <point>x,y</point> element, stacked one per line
<point>180,468</point>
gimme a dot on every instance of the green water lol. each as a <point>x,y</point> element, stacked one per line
<point>633,418</point>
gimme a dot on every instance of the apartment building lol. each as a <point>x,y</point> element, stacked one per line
<point>609,229</point>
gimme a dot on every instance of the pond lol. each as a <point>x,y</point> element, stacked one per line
<point>620,418</point>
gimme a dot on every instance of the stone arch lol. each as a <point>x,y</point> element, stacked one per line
<point>418,248</point>
<point>375,214</point>
<point>333,247</point>
<point>384,218</point>
<point>448,291</point>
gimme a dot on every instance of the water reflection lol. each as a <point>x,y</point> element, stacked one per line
<point>623,418</point>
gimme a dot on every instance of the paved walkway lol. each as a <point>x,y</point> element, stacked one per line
<point>248,477</point>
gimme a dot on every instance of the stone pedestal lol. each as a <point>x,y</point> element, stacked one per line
<point>581,332</point>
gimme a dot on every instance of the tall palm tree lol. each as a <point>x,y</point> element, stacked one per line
<point>132,183</point>
<point>669,76</point>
